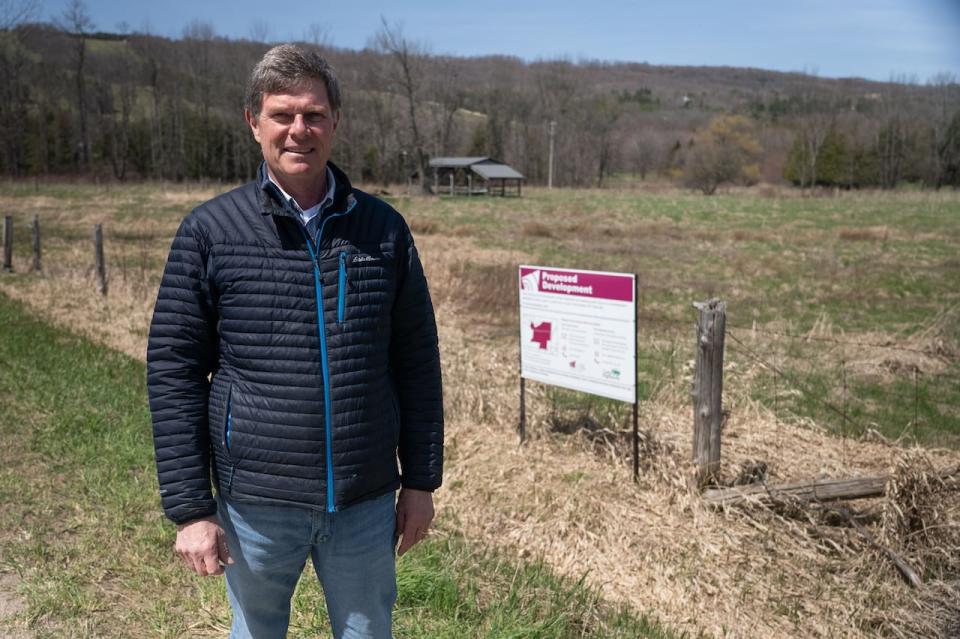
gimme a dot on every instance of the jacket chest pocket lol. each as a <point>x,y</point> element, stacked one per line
<point>363,279</point>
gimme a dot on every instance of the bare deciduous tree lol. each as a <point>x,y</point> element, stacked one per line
<point>946,92</point>
<point>260,30</point>
<point>449,98</point>
<point>115,100</point>
<point>316,35</point>
<point>14,81</point>
<point>891,137</point>
<point>200,36</point>
<point>604,116</point>
<point>812,130</point>
<point>408,59</point>
<point>16,12</point>
<point>76,21</point>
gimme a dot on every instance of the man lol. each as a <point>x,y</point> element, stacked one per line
<point>293,355</point>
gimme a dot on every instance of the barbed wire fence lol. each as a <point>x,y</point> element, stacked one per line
<point>856,386</point>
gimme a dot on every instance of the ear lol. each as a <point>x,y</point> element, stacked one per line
<point>336,120</point>
<point>253,122</point>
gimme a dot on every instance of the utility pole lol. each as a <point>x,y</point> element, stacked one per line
<point>553,130</point>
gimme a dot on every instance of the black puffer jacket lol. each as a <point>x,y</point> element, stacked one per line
<point>283,403</point>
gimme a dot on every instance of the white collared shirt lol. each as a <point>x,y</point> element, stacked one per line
<point>317,208</point>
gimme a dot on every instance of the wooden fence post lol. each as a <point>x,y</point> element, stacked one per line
<point>8,242</point>
<point>36,243</point>
<point>98,256</point>
<point>708,389</point>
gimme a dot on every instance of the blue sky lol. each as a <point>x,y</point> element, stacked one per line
<point>876,39</point>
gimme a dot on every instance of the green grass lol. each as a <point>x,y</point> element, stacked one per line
<point>796,256</point>
<point>918,408</point>
<point>82,530</point>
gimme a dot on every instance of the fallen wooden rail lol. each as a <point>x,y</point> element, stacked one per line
<point>813,490</point>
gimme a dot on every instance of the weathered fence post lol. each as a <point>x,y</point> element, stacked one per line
<point>451,185</point>
<point>8,242</point>
<point>469,184</point>
<point>708,389</point>
<point>36,243</point>
<point>98,256</point>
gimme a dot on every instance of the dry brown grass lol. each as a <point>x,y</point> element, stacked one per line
<point>420,226</point>
<point>567,496</point>
<point>869,234</point>
<point>731,573</point>
<point>536,229</point>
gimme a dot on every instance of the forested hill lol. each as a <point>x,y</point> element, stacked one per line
<point>139,106</point>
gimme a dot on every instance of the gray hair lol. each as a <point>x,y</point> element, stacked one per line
<point>283,68</point>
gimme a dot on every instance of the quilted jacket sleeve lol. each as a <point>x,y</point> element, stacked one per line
<point>181,354</point>
<point>415,364</point>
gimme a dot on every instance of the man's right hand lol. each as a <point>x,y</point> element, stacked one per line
<point>203,546</point>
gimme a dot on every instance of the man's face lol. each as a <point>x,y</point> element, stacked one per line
<point>295,131</point>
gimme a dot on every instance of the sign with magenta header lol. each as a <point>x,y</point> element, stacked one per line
<point>578,330</point>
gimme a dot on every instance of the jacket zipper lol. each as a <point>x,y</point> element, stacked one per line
<point>226,430</point>
<point>342,286</point>
<point>318,291</point>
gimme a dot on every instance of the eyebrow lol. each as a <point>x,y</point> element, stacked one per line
<point>312,108</point>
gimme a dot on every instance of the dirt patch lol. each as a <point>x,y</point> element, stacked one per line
<point>10,605</point>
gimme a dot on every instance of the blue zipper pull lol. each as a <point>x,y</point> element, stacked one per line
<point>342,288</point>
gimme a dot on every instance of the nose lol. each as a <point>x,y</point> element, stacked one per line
<point>299,125</point>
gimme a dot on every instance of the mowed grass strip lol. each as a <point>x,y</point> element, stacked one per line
<point>82,532</point>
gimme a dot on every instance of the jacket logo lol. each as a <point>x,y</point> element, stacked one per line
<point>360,257</point>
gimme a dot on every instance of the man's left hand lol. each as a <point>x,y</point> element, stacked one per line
<point>414,514</point>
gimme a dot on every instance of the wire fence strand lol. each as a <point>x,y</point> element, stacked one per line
<point>831,340</point>
<point>910,397</point>
<point>794,382</point>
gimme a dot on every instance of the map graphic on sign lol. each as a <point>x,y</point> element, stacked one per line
<point>541,333</point>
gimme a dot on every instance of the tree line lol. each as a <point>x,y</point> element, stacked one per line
<point>76,101</point>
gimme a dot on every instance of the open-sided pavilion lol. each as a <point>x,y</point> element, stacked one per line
<point>456,176</point>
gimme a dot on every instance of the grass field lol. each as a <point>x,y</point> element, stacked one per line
<point>83,532</point>
<point>810,282</point>
<point>842,355</point>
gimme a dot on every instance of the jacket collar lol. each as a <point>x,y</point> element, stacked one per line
<point>272,201</point>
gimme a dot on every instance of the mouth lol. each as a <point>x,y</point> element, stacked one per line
<point>295,151</point>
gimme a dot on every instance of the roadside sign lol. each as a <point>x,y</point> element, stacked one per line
<point>578,330</point>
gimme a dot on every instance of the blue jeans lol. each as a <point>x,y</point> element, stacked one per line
<point>352,552</point>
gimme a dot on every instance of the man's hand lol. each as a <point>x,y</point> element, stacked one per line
<point>202,545</point>
<point>414,514</point>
